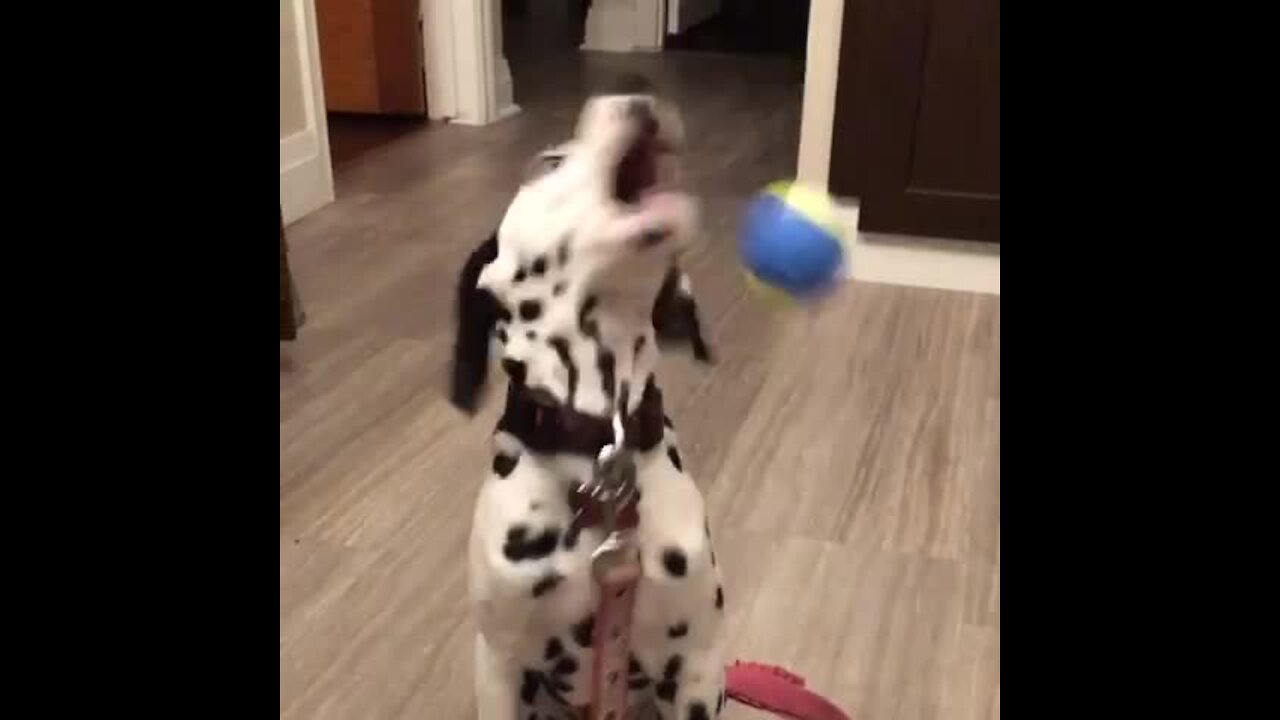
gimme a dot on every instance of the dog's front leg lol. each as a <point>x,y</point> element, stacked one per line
<point>497,683</point>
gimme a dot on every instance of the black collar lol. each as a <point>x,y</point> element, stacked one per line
<point>548,430</point>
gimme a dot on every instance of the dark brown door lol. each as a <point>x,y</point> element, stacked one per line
<point>371,56</point>
<point>917,125</point>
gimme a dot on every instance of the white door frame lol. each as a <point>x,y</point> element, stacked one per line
<point>306,170</point>
<point>468,79</point>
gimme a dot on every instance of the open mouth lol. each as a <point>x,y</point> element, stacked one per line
<point>637,172</point>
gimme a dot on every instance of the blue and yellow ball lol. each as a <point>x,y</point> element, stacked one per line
<point>791,243</point>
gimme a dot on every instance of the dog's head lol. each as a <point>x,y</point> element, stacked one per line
<point>581,278</point>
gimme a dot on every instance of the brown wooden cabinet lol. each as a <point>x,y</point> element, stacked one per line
<point>917,125</point>
<point>371,56</point>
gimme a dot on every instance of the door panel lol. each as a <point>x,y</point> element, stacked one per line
<point>371,52</point>
<point>917,125</point>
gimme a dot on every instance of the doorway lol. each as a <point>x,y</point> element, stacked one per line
<point>371,53</point>
<point>538,35</point>
<point>738,26</point>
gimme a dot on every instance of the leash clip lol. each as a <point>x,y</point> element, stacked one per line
<point>615,566</point>
<point>613,481</point>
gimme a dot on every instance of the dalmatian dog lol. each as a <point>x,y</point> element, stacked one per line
<point>576,294</point>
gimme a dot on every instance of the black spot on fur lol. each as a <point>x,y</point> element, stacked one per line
<point>606,363</point>
<point>554,649</point>
<point>530,335</point>
<point>520,547</point>
<point>565,666</point>
<point>583,631</point>
<point>640,342</point>
<point>539,265</point>
<point>515,370</point>
<point>547,584</point>
<point>678,630</point>
<point>558,289</point>
<point>530,310</point>
<point>698,711</point>
<point>520,275</point>
<point>672,669</point>
<point>639,683</point>
<point>713,558</point>
<point>562,252</point>
<point>501,333</point>
<point>529,687</point>
<point>719,598</point>
<point>624,395</point>
<point>504,314</point>
<point>556,687</point>
<point>666,690</point>
<point>504,464</point>
<point>674,456</point>
<point>675,562</point>
<point>667,687</point>
<point>561,346</point>
<point>571,536</point>
<point>585,323</point>
<point>653,237</point>
<point>634,667</point>
<point>666,420</point>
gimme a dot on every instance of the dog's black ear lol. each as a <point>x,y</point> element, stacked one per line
<point>675,316</point>
<point>476,312</point>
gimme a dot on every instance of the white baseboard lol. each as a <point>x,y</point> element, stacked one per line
<point>921,262</point>
<point>306,184</point>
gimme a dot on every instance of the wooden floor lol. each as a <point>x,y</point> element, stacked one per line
<point>351,135</point>
<point>850,455</point>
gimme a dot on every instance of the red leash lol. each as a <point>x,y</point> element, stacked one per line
<point>616,569</point>
<point>780,692</point>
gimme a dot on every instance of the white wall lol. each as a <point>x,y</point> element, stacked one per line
<point>306,173</point>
